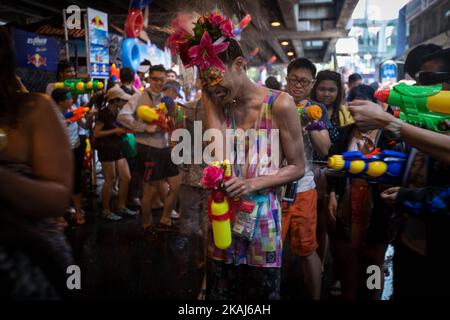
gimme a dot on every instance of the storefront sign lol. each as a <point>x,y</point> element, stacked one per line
<point>98,43</point>
<point>35,51</point>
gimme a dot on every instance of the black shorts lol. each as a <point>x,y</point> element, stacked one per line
<point>110,155</point>
<point>155,164</point>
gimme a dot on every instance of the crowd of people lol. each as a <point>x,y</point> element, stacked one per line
<point>325,220</point>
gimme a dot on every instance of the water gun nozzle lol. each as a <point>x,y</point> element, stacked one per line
<point>382,95</point>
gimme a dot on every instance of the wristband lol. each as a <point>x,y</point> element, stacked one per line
<point>393,129</point>
<point>316,126</point>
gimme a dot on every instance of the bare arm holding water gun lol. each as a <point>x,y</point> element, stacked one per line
<point>291,147</point>
<point>422,106</point>
<point>369,115</point>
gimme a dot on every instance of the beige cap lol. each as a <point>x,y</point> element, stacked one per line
<point>116,92</point>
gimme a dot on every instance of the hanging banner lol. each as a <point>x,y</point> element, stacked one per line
<point>35,51</point>
<point>97,22</point>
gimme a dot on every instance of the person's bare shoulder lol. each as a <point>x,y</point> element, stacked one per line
<point>283,106</point>
<point>36,107</point>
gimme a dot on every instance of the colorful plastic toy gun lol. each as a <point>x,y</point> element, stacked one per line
<point>75,114</point>
<point>77,86</point>
<point>177,118</point>
<point>114,73</point>
<point>153,116</point>
<point>220,207</point>
<point>219,210</point>
<point>385,167</point>
<point>313,112</point>
<point>157,115</point>
<point>87,155</point>
<point>424,106</point>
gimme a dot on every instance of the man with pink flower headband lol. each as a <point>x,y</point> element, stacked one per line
<point>249,268</point>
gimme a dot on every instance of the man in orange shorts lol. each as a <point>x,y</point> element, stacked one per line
<point>299,216</point>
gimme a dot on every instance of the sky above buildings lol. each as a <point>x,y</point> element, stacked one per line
<point>379,9</point>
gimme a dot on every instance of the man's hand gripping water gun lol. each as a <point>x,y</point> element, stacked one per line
<point>423,106</point>
<point>157,115</point>
<point>221,208</point>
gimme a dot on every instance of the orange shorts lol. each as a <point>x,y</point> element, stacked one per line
<point>300,220</point>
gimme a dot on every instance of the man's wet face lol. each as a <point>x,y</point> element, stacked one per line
<point>218,84</point>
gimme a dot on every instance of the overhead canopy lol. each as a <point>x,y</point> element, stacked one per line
<point>284,28</point>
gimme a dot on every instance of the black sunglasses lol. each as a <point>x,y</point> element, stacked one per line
<point>428,78</point>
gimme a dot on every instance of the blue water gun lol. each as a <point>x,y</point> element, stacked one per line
<point>381,167</point>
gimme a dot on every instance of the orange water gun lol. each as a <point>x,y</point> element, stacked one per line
<point>313,112</point>
<point>75,114</point>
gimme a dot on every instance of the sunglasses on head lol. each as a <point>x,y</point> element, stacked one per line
<point>428,78</point>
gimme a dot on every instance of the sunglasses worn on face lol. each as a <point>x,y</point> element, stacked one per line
<point>428,78</point>
<point>158,79</point>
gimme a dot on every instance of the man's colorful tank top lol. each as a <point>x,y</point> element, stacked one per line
<point>265,249</point>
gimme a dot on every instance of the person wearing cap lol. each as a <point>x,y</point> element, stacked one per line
<point>108,141</point>
<point>421,261</point>
<point>171,75</point>
<point>429,65</point>
<point>172,89</point>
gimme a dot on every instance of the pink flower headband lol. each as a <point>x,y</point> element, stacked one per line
<point>201,45</point>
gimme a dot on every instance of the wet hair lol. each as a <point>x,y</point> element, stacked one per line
<point>8,81</point>
<point>332,76</point>
<point>363,92</point>
<point>233,52</point>
<point>157,68</point>
<point>354,77</point>
<point>273,83</point>
<point>63,65</point>
<point>126,75</point>
<point>302,63</point>
<point>60,94</point>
